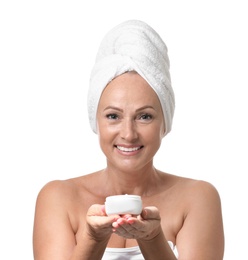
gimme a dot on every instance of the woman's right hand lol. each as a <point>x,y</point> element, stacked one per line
<point>98,223</point>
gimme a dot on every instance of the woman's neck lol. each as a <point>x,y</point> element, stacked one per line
<point>142,182</point>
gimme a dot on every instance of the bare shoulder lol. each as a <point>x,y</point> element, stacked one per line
<point>66,194</point>
<point>62,201</point>
<point>200,200</point>
<point>201,190</point>
<point>184,185</point>
<point>53,197</point>
<point>55,189</point>
<point>192,194</point>
<point>54,192</point>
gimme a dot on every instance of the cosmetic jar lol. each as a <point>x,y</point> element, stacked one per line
<point>123,204</point>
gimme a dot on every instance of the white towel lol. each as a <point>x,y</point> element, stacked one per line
<point>132,46</point>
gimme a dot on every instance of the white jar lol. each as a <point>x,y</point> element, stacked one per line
<point>123,204</point>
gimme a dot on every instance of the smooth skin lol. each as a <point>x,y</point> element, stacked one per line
<point>70,220</point>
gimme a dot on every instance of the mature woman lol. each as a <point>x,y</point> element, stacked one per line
<point>131,106</point>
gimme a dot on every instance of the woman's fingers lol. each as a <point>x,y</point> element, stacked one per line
<point>97,217</point>
<point>150,213</point>
<point>140,226</point>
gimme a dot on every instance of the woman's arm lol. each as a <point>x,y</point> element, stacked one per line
<point>201,236</point>
<point>53,235</point>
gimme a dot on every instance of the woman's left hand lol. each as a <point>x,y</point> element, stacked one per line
<point>145,226</point>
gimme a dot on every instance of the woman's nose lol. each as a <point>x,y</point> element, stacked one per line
<point>128,130</point>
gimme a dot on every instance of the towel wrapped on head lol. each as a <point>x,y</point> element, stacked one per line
<point>132,46</point>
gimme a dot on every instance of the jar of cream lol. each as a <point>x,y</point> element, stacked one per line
<point>123,204</point>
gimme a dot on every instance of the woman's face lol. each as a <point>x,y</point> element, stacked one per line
<point>130,122</point>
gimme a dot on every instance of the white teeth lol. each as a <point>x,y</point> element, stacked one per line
<point>125,149</point>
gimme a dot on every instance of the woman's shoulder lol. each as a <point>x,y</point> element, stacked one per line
<point>67,188</point>
<point>189,188</point>
<point>54,191</point>
<point>190,183</point>
<point>196,191</point>
<point>195,186</point>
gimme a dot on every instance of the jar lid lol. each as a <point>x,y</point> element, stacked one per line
<point>125,197</point>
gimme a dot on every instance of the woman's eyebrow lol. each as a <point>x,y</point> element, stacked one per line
<point>113,107</point>
<point>145,107</point>
<point>121,110</point>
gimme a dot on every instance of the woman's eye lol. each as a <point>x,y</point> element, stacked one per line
<point>146,117</point>
<point>112,116</point>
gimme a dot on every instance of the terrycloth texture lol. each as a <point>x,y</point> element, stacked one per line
<point>132,46</point>
<point>130,253</point>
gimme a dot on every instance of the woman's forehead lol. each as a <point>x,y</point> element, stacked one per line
<point>129,87</point>
<point>129,82</point>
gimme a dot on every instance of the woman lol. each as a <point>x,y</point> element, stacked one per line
<point>131,106</point>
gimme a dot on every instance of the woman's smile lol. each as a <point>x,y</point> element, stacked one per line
<point>128,150</point>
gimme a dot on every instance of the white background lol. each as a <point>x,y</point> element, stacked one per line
<point>47,49</point>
